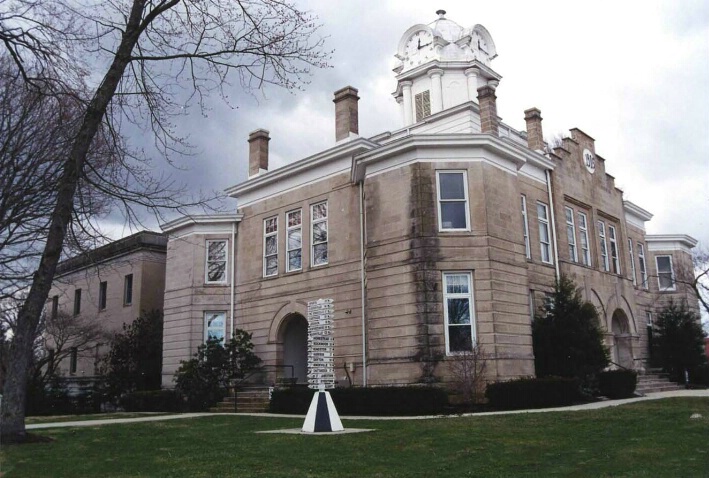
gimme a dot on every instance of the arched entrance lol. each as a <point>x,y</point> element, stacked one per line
<point>294,337</point>
<point>622,352</point>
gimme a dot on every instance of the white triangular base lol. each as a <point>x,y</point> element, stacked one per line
<point>322,415</point>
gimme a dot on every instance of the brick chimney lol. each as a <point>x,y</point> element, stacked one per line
<point>488,109</point>
<point>535,138</point>
<point>258,151</point>
<point>346,113</point>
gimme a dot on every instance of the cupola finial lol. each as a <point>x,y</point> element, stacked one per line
<point>441,14</point>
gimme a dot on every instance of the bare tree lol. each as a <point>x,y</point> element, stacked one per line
<point>695,277</point>
<point>152,53</point>
<point>468,371</point>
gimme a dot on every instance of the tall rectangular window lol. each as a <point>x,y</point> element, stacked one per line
<point>571,234</point>
<point>77,301</point>
<point>643,265</point>
<point>128,289</point>
<point>423,105</point>
<point>452,201</point>
<point>604,246</point>
<point>544,234</point>
<point>583,236</point>
<point>631,256</point>
<point>525,228</point>
<point>102,291</point>
<point>215,326</point>
<point>294,240</point>
<point>270,247</point>
<point>665,274</point>
<point>55,306</point>
<point>216,262</point>
<point>318,225</point>
<point>73,359</point>
<point>615,259</point>
<point>458,311</point>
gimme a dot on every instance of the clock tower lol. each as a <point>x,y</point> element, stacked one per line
<point>441,65</point>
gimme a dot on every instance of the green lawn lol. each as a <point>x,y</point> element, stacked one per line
<point>653,439</point>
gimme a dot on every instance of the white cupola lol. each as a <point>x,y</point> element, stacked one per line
<point>441,65</point>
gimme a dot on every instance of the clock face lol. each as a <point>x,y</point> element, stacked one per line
<point>479,46</point>
<point>419,41</point>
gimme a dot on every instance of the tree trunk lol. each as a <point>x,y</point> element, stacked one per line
<point>12,418</point>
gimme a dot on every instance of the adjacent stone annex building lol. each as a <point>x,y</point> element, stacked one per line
<point>446,231</point>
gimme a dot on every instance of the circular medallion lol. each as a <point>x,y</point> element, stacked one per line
<point>589,160</point>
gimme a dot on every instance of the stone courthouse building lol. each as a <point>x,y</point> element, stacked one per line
<point>446,231</point>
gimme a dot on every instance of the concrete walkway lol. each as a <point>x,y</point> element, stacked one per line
<point>586,406</point>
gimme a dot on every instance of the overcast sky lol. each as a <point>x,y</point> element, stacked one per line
<point>634,75</point>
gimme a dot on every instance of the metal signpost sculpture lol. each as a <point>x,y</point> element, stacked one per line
<point>322,415</point>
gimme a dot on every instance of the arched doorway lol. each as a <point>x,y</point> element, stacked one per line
<point>294,337</point>
<point>622,349</point>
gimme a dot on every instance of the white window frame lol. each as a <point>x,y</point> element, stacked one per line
<point>659,274</point>
<point>464,174</point>
<point>525,225</point>
<point>207,262</point>
<point>603,248</point>
<point>207,313</point>
<point>471,308</point>
<point>633,272</point>
<point>615,252</point>
<point>290,229</point>
<point>571,234</point>
<point>643,265</point>
<point>583,234</point>
<point>544,223</point>
<point>267,235</point>
<point>313,243</point>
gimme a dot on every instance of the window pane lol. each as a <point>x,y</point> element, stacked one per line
<point>453,215</point>
<point>217,251</point>
<point>271,266</point>
<point>320,254</point>
<point>271,245</point>
<point>451,185</point>
<point>271,225</point>
<point>663,264</point>
<point>294,260</point>
<point>458,311</point>
<point>541,211</point>
<point>665,280</point>
<point>544,233</point>
<point>320,232</point>
<point>294,239</point>
<point>460,337</point>
<point>319,211</point>
<point>294,218</point>
<point>457,284</point>
<point>217,271</point>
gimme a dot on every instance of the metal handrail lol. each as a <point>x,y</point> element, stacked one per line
<point>619,365</point>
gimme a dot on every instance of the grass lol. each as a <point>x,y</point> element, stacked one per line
<point>652,439</point>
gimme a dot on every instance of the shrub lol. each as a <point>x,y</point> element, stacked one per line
<point>617,383</point>
<point>376,401</point>
<point>533,393</point>
<point>567,338</point>
<point>700,375</point>
<point>204,379</point>
<point>679,339</point>
<point>152,401</point>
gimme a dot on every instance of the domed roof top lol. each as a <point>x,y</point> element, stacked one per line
<point>446,29</point>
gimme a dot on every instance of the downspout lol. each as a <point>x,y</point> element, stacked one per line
<point>553,226</point>
<point>233,267</point>
<point>361,255</point>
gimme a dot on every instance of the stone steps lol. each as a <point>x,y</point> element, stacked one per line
<point>248,400</point>
<point>655,382</point>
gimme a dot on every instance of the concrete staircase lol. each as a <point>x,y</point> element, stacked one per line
<point>248,399</point>
<point>655,381</point>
